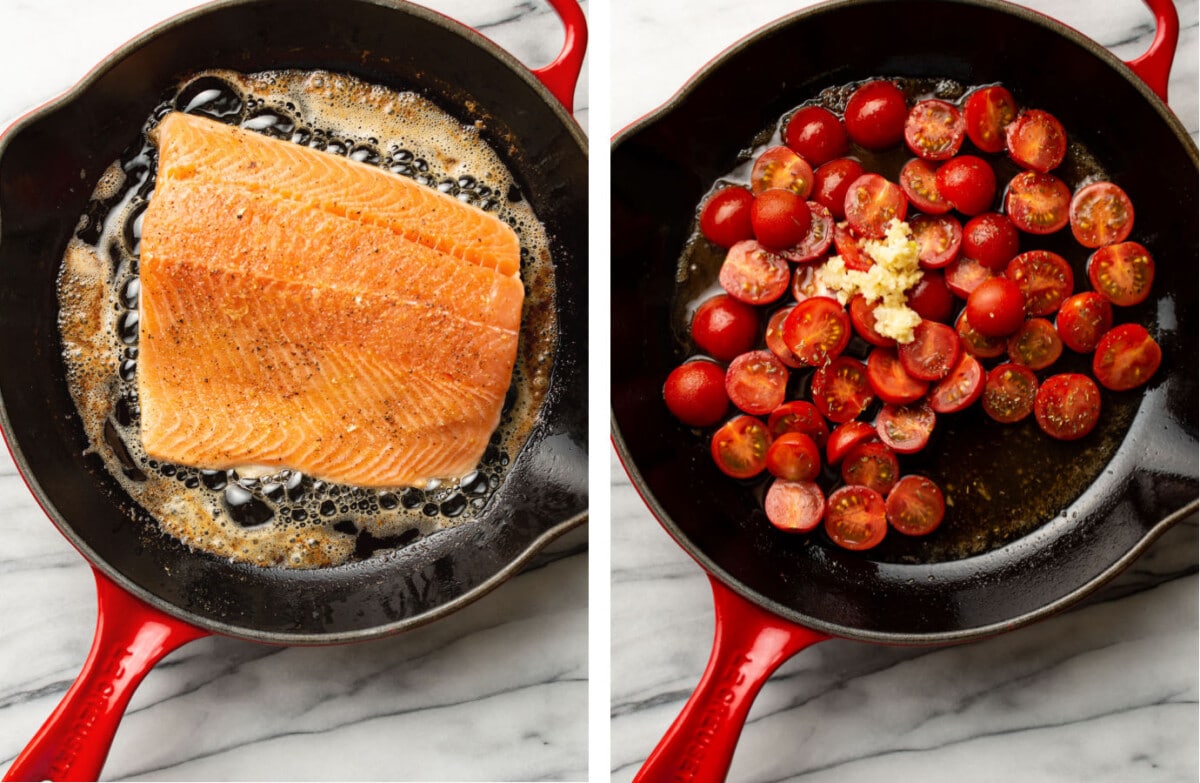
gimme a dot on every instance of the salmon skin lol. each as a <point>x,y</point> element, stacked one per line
<point>302,310</point>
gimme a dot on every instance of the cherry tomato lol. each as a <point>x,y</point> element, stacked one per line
<point>832,180</point>
<point>872,202</point>
<point>774,338</point>
<point>1082,320</point>
<point>725,216</point>
<point>1037,203</point>
<point>991,239</point>
<point>856,517</point>
<point>996,308</point>
<point>817,330</point>
<point>862,316</point>
<point>846,436</point>
<point>849,246</point>
<point>753,274</point>
<point>1045,278</point>
<point>1009,392</point>
<point>968,183</point>
<point>939,238</point>
<point>960,388</point>
<point>695,393</point>
<point>740,446</point>
<point>964,275</point>
<point>934,130</point>
<point>918,180</point>
<point>806,284</point>
<point>976,342</point>
<point>915,506</point>
<point>875,115</point>
<point>756,382</point>
<point>988,112</point>
<point>871,465</point>
<point>723,327</point>
<point>1126,357</point>
<point>780,219</point>
<point>1036,140</point>
<point>932,352</point>
<point>890,381</point>
<point>840,389</point>
<point>794,456</point>
<point>906,428</point>
<point>794,506</point>
<point>1101,214</point>
<point>931,297</point>
<point>1123,273</point>
<point>1067,406</point>
<point>816,134</point>
<point>799,416</point>
<point>818,239</point>
<point>778,168</point>
<point>1036,344</point>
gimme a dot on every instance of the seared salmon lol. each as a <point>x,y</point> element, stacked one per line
<point>302,310</point>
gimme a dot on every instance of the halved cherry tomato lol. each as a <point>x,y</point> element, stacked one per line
<point>1009,392</point>
<point>1067,406</point>
<point>931,297</point>
<point>832,180</point>
<point>753,274</point>
<point>1036,344</point>
<point>988,112</point>
<point>818,239</point>
<point>846,436</point>
<point>918,180</point>
<point>1082,320</point>
<point>740,446</point>
<point>906,428</point>
<point>932,352</point>
<point>964,275</point>
<point>849,247</point>
<point>817,330</point>
<point>915,506</point>
<point>780,219</point>
<point>1045,278</point>
<point>794,456</point>
<point>939,239</point>
<point>862,316</point>
<point>976,342</point>
<point>1123,273</point>
<point>1101,214</point>
<point>1036,140</point>
<point>1037,203</point>
<point>725,216</point>
<point>991,239</point>
<point>890,381</point>
<point>856,517</point>
<point>996,308</point>
<point>799,416</point>
<point>934,130</point>
<point>794,506</point>
<point>958,390</point>
<point>695,393</point>
<point>968,183</point>
<point>806,284</point>
<point>817,134</point>
<point>1126,357</point>
<point>723,327</point>
<point>780,168</point>
<point>840,389</point>
<point>774,338</point>
<point>871,465</point>
<point>756,382</point>
<point>875,115</point>
<point>872,202</point>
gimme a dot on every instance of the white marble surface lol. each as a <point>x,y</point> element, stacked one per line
<point>497,691</point>
<point>1105,692</point>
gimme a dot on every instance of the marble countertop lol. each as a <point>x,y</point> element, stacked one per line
<point>1104,692</point>
<point>497,691</point>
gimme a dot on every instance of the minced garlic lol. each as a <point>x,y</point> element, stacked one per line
<point>895,271</point>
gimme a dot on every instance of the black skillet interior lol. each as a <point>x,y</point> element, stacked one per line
<point>1027,558</point>
<point>46,176</point>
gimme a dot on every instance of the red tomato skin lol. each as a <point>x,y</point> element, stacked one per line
<point>849,246</point>
<point>1009,392</point>
<point>780,218</point>
<point>779,168</point>
<point>996,308</point>
<point>890,381</point>
<point>873,465</point>
<point>794,506</point>
<point>774,339</point>
<point>1037,203</point>
<point>818,239</point>
<point>1067,406</point>
<point>932,353</point>
<point>816,134</point>
<point>915,506</point>
<point>856,518</point>
<point>1109,200</point>
<point>931,297</point>
<point>875,115</point>
<point>964,275</point>
<point>968,183</point>
<point>934,130</point>
<point>1082,320</point>
<point>862,316</point>
<point>840,389</point>
<point>754,275</point>
<point>723,327</point>
<point>1036,344</point>
<point>794,456</point>
<point>988,112</point>
<point>906,428</point>
<point>799,416</point>
<point>975,342</point>
<point>846,436</point>
<point>991,239</point>
<point>756,382</point>
<point>960,389</point>
<point>1045,279</point>
<point>725,216</point>
<point>817,330</point>
<point>695,393</point>
<point>1036,140</point>
<point>918,180</point>
<point>832,180</point>
<point>1110,267</point>
<point>1126,357</point>
<point>873,202</point>
<point>730,434</point>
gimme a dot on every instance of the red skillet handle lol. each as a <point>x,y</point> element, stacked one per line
<point>750,643</point>
<point>1154,67</point>
<point>561,75</point>
<point>130,638</point>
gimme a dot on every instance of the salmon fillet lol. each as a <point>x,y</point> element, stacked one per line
<point>301,310</point>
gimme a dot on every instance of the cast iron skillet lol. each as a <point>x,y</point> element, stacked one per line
<point>775,593</point>
<point>154,593</point>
